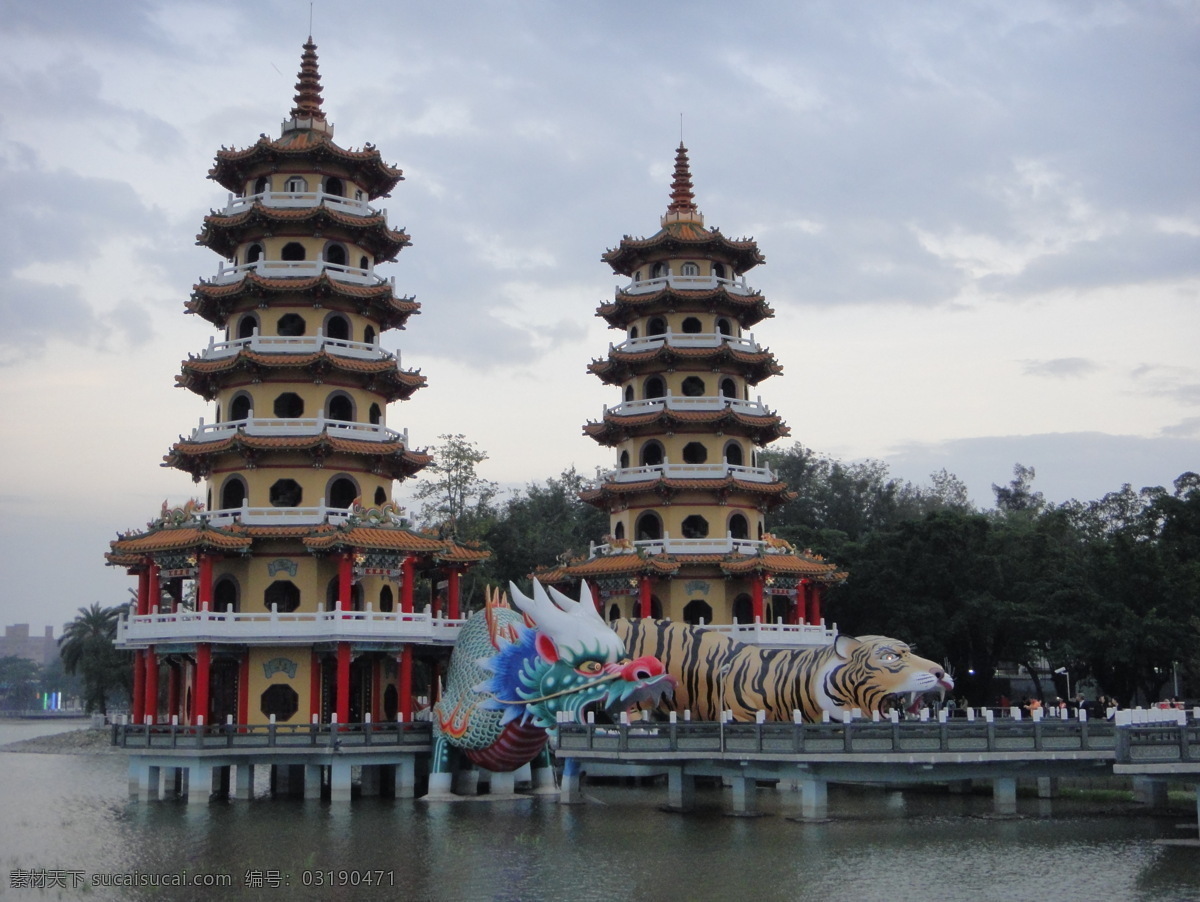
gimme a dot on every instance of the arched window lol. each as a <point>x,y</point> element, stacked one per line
<point>331,595</point>
<point>225,594</point>
<point>246,326</point>
<point>340,407</point>
<point>724,327</point>
<point>296,184</point>
<point>289,406</point>
<point>656,326</point>
<point>655,608</point>
<point>369,335</point>
<point>619,532</point>
<point>284,594</point>
<point>633,331</point>
<point>659,271</point>
<point>386,602</point>
<point>739,527</point>
<point>728,388</point>
<point>342,492</point>
<point>719,270</point>
<point>781,607</point>
<point>290,325</point>
<point>695,527</point>
<point>649,527</point>
<point>614,612</point>
<point>374,415</point>
<point>623,460</point>
<point>364,262</point>
<point>233,493</point>
<point>628,393</point>
<point>338,327</point>
<point>733,454</point>
<point>293,252</point>
<point>696,612</point>
<point>254,253</point>
<point>286,493</point>
<point>655,387</point>
<point>689,269</point>
<point>743,609</point>
<point>380,497</point>
<point>693,387</point>
<point>334,186</point>
<point>652,455</point>
<point>695,453</point>
<point>692,325</point>
<point>335,254</point>
<point>261,184</point>
<point>239,407</point>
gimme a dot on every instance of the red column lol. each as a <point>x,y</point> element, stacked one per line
<point>243,711</point>
<point>314,688</point>
<point>151,683</point>
<point>756,597</point>
<point>452,592</point>
<point>345,581</point>
<point>405,683</point>
<point>644,597</point>
<point>139,686</point>
<point>172,691</point>
<point>816,605</point>
<point>408,576</point>
<point>343,682</point>
<point>155,588</point>
<point>143,596</point>
<point>200,693</point>
<point>205,583</point>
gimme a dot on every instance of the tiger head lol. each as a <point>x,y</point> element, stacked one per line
<point>876,673</point>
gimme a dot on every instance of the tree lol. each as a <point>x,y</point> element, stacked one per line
<point>88,647</point>
<point>1018,496</point>
<point>19,678</point>
<point>456,496</point>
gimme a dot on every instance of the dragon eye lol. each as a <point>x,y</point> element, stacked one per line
<point>590,667</point>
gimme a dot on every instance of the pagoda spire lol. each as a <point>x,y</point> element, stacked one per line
<point>307,112</point>
<point>683,200</point>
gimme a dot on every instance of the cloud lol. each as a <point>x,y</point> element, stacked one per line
<point>1061,368</point>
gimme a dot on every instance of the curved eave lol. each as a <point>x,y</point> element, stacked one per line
<point>215,302</point>
<point>792,564</point>
<point>683,239</point>
<point>176,539</point>
<point>207,377</point>
<point>388,458</point>
<point>615,429</point>
<point>390,538</point>
<point>224,234</point>
<point>607,567</point>
<point>770,494</point>
<point>747,309</point>
<point>623,365</point>
<point>304,150</point>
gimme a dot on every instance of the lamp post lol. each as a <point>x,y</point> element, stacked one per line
<point>1066,673</point>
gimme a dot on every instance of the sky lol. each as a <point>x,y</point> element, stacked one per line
<point>981,223</point>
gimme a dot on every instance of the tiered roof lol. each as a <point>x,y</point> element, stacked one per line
<point>632,564</point>
<point>224,233</point>
<point>215,302</point>
<point>623,364</point>
<point>390,458</point>
<point>615,428</point>
<point>382,376</point>
<point>772,494</point>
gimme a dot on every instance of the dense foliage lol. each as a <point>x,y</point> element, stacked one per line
<point>88,648</point>
<point>1107,589</point>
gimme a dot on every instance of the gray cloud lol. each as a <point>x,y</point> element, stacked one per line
<point>1061,367</point>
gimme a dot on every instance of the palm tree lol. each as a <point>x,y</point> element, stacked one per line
<point>87,646</point>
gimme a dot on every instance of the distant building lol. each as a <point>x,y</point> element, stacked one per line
<point>19,643</point>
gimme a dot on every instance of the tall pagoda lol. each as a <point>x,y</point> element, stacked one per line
<point>291,591</point>
<point>688,499</point>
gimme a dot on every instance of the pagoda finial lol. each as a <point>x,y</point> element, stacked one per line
<point>683,203</point>
<point>307,113</point>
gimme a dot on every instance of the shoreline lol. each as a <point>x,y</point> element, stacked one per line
<point>84,741</point>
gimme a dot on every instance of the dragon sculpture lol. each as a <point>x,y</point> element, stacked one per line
<point>513,677</point>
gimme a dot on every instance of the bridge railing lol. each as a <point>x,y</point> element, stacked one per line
<point>854,737</point>
<point>386,734</point>
<point>1159,743</point>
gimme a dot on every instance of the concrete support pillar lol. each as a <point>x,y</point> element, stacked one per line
<point>1150,792</point>
<point>368,783</point>
<point>504,783</point>
<point>681,790</point>
<point>1047,787</point>
<point>543,781</point>
<point>1004,795</point>
<point>744,794</point>
<point>147,778</point>
<point>814,797</point>
<point>440,786</point>
<point>406,777</point>
<point>465,782</point>
<point>339,782</point>
<point>312,781</point>
<point>570,792</point>
<point>220,781</point>
<point>243,785</point>
<point>199,779</point>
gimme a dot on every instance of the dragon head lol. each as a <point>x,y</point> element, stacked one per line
<point>568,662</point>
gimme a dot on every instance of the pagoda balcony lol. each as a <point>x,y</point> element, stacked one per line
<point>688,340</point>
<point>300,200</point>
<point>668,545</point>
<point>687,283</point>
<point>299,269</point>
<point>267,426</point>
<point>689,471</point>
<point>776,635</point>
<point>275,516</point>
<point>300,344</point>
<point>273,627</point>
<point>702,403</point>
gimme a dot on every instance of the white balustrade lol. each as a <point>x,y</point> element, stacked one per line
<point>705,403</point>
<point>267,426</point>
<point>688,340</point>
<point>300,200</point>
<point>298,344</point>
<point>669,545</point>
<point>298,269</point>
<point>275,516</point>
<point>688,283</point>
<point>689,471</point>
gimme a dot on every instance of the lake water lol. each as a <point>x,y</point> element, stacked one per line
<point>72,814</point>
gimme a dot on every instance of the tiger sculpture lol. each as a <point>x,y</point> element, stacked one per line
<point>871,673</point>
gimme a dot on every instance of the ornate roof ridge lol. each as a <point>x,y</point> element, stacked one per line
<point>683,198</point>
<point>308,87</point>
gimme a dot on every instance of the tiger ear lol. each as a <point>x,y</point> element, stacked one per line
<point>845,645</point>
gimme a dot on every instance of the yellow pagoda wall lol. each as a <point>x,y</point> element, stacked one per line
<point>287,665</point>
